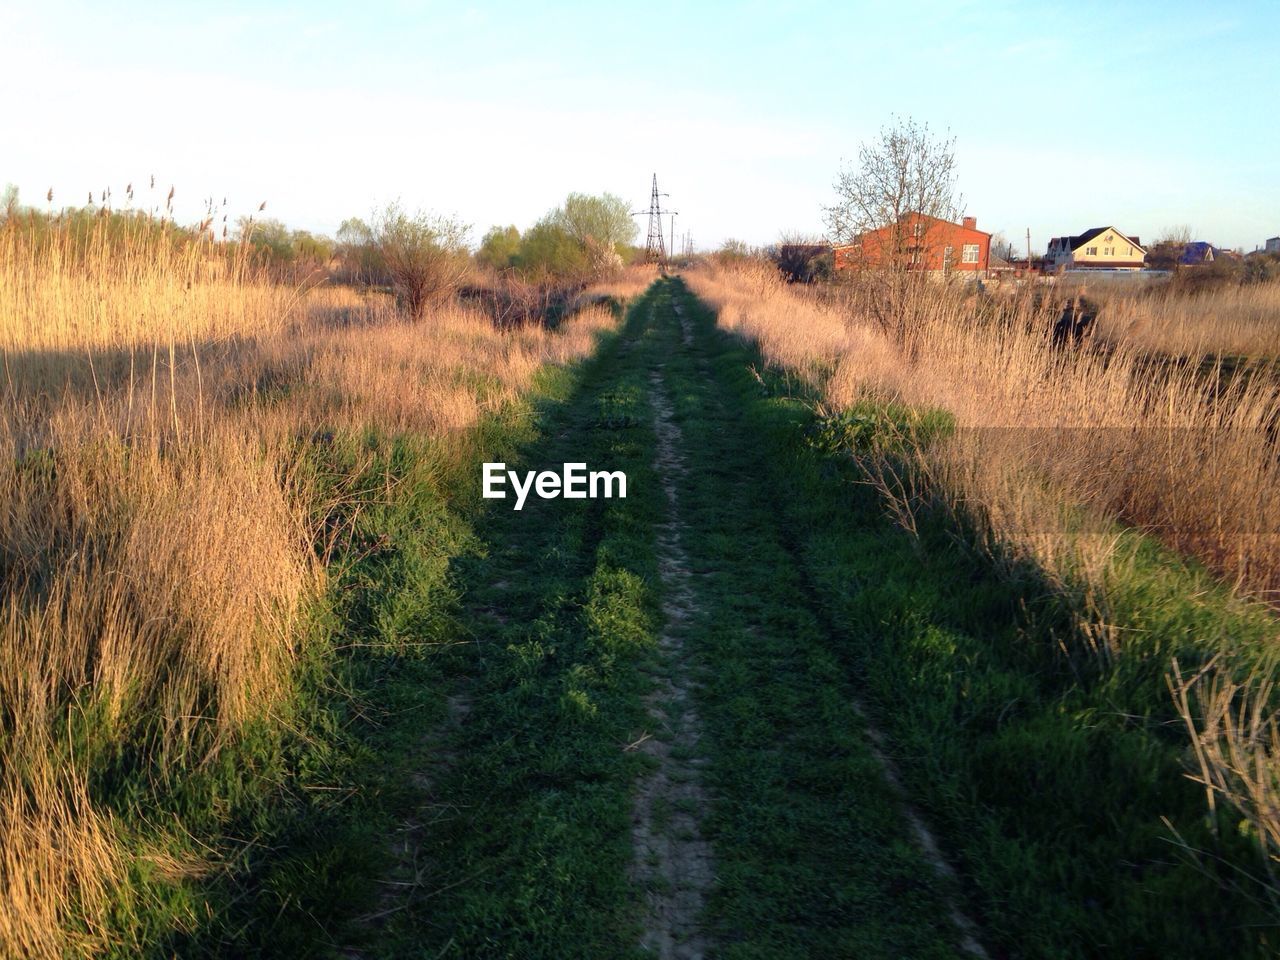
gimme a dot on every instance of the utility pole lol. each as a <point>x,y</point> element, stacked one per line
<point>655,246</point>
<point>672,245</point>
<point>1028,249</point>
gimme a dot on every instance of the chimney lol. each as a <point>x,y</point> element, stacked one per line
<point>971,223</point>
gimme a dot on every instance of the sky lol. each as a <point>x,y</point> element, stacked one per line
<point>1144,116</point>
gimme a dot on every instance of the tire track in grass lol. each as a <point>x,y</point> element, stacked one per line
<point>673,862</point>
<point>817,854</point>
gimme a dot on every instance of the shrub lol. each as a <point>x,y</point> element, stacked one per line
<point>499,248</point>
<point>425,256</point>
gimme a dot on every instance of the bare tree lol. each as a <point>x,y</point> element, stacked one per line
<point>888,207</point>
<point>9,205</point>
<point>424,254</point>
<point>1180,235</point>
<point>1165,253</point>
<point>905,171</point>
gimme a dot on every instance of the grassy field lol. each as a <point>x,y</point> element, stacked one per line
<point>857,668</point>
<point>1226,319</point>
<point>524,840</point>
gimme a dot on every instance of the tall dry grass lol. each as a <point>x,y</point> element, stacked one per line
<point>1156,446</point>
<point>158,543</point>
<point>1230,319</point>
<point>627,284</point>
<point>1053,448</point>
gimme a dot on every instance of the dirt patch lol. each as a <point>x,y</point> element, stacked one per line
<point>686,331</point>
<point>673,862</point>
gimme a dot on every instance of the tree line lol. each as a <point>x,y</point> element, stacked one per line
<point>423,256</point>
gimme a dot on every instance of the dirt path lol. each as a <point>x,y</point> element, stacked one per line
<point>673,862</point>
<point>570,803</point>
<point>774,700</point>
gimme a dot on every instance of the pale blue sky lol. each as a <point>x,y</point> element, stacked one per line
<point>745,110</point>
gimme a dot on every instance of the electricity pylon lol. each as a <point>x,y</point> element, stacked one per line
<point>655,247</point>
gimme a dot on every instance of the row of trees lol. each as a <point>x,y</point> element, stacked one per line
<point>581,240</point>
<point>280,247</point>
<point>426,257</point>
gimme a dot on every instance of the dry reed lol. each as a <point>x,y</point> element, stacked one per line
<point>158,548</point>
<point>1231,319</point>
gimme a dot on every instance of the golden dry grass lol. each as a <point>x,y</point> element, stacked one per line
<point>628,284</point>
<point>1229,320</point>
<point>1151,445</point>
<point>158,547</point>
<point>1053,446</point>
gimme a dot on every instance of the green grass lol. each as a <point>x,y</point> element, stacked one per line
<point>813,854</point>
<point>382,816</point>
<point>1047,776</point>
<point>532,858</point>
<point>531,851</point>
<point>298,814</point>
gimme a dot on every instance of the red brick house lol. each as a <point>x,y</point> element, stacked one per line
<point>921,243</point>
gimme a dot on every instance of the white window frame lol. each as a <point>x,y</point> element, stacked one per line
<point>970,253</point>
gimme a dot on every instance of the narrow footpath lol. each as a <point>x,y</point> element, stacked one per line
<point>661,753</point>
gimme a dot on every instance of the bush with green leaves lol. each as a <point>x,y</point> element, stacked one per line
<point>358,254</point>
<point>586,238</point>
<point>425,255</point>
<point>500,248</point>
<point>549,254</point>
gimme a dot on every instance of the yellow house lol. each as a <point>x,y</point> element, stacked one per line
<point>1100,248</point>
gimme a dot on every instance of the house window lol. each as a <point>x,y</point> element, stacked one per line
<point>970,254</point>
<point>1091,252</point>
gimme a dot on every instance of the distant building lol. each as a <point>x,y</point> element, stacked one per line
<point>1273,245</point>
<point>1198,252</point>
<point>1099,248</point>
<point>923,243</point>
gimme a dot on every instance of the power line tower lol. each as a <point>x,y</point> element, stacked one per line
<point>655,246</point>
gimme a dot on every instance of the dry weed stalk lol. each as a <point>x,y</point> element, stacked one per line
<point>1234,727</point>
